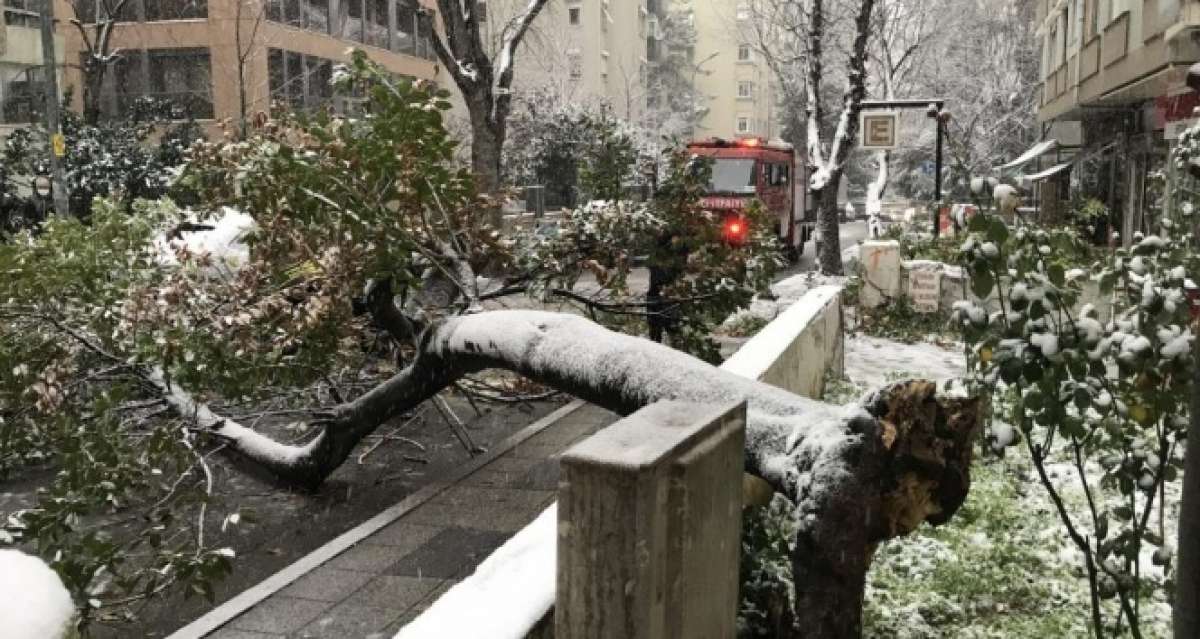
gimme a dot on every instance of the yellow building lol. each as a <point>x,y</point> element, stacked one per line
<point>584,51</point>
<point>21,64</point>
<point>220,59</point>
<point>734,83</point>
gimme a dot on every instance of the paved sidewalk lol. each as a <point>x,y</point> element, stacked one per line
<point>376,578</point>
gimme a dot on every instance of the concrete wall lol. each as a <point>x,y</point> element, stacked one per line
<point>800,348</point>
<point>886,276</point>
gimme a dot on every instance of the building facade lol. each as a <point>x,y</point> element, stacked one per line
<point>1113,78</point>
<point>229,59</point>
<point>584,51</point>
<point>22,92</point>
<point>732,79</point>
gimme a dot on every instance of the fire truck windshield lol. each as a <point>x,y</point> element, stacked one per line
<point>731,175</point>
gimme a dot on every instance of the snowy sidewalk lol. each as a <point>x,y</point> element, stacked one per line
<point>380,576</point>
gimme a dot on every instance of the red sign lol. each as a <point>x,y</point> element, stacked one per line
<point>725,203</point>
<point>1175,108</point>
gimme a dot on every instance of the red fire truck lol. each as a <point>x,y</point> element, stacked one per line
<point>751,168</point>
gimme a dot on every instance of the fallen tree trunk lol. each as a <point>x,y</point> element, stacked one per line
<point>858,475</point>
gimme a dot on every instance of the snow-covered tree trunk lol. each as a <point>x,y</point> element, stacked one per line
<point>857,475</point>
<point>831,161</point>
<point>878,186</point>
<point>1187,573</point>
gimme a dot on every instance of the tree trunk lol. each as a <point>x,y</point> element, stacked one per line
<point>487,144</point>
<point>857,476</point>
<point>878,186</point>
<point>93,82</point>
<point>830,258</point>
<point>1187,572</point>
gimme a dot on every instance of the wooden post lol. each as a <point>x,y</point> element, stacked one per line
<point>650,526</point>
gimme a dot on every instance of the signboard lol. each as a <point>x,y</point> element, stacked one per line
<point>879,131</point>
<point>60,145</point>
<point>1173,130</point>
<point>925,289</point>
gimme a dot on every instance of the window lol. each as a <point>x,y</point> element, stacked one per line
<point>302,82</point>
<point>175,9</point>
<point>744,53</point>
<point>575,62</point>
<point>744,124</point>
<point>352,26</point>
<point>377,23</point>
<point>404,40</point>
<point>745,90</point>
<point>481,11</point>
<point>732,175</point>
<point>574,15</point>
<point>22,13</point>
<point>23,96</point>
<point>88,10</point>
<point>184,77</point>
<point>743,11</point>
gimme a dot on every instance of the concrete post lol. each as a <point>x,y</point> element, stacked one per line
<point>881,272</point>
<point>650,526</point>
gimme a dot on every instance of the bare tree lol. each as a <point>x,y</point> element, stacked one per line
<point>255,16</point>
<point>99,55</point>
<point>798,38</point>
<point>486,84</point>
<point>903,32</point>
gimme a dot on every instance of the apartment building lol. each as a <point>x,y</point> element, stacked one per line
<point>584,51</point>
<point>731,78</point>
<point>21,64</point>
<point>1113,78</point>
<point>220,59</point>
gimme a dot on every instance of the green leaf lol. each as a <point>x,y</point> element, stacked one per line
<point>1057,274</point>
<point>982,283</point>
<point>997,231</point>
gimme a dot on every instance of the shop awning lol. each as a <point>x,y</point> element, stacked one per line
<point>1048,173</point>
<point>1038,150</point>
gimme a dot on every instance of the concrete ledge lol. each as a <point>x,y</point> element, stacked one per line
<point>226,612</point>
<point>797,349</point>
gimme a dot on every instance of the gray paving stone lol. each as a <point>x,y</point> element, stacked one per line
<point>395,591</point>
<point>367,558</point>
<point>449,554</point>
<point>403,536</point>
<point>279,615</point>
<point>327,584</point>
<point>232,633</point>
<point>349,621</point>
<point>499,509</point>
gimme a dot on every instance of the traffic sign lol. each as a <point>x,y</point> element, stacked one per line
<point>879,131</point>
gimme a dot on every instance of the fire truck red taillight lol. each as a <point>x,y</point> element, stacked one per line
<point>735,230</point>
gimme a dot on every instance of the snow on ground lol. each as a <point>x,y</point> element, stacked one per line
<point>33,602</point>
<point>872,361</point>
<point>485,605</point>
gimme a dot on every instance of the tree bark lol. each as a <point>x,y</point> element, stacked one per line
<point>1187,572</point>
<point>857,475</point>
<point>829,259</point>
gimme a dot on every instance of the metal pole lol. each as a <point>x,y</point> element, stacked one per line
<point>53,117</point>
<point>937,178</point>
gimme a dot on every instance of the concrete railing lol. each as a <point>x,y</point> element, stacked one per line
<point>799,349</point>
<point>649,526</point>
<point>685,460</point>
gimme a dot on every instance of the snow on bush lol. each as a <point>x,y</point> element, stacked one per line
<point>33,602</point>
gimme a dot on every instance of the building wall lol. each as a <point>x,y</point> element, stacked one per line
<point>721,30</point>
<point>583,51</point>
<point>20,68</point>
<point>218,34</point>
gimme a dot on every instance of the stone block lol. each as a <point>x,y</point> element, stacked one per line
<point>881,272</point>
<point>650,526</point>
